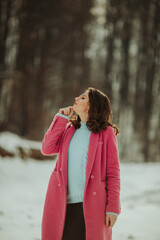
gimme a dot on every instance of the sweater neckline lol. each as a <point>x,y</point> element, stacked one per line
<point>83,125</point>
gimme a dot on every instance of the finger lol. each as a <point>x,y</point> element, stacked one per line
<point>107,221</point>
<point>70,109</point>
<point>67,110</point>
<point>113,222</point>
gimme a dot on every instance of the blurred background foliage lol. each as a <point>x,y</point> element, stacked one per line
<point>50,51</point>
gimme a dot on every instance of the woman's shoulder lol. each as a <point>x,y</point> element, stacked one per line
<point>109,128</point>
<point>108,131</point>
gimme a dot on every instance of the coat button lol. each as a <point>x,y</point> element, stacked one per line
<point>92,176</point>
<point>59,184</point>
<point>60,169</point>
<point>94,193</point>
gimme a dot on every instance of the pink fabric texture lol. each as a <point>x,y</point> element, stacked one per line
<point>102,182</point>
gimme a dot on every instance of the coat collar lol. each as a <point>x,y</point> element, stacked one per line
<point>93,142</point>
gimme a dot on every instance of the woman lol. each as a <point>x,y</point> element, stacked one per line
<point>83,195</point>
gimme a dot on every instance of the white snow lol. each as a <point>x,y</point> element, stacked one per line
<point>23,187</point>
<point>140,200</point>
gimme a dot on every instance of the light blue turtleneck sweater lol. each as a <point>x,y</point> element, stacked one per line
<point>77,163</point>
<point>77,159</point>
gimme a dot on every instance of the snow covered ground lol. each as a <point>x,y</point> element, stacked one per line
<point>23,187</point>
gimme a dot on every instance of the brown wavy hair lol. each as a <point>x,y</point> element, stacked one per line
<point>99,113</point>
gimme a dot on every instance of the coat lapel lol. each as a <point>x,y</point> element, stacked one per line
<point>93,143</point>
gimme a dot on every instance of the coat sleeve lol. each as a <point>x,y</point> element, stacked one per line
<point>53,136</point>
<point>112,174</point>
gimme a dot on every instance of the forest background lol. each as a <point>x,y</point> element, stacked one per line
<point>52,50</point>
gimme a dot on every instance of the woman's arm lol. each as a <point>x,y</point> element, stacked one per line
<point>53,136</point>
<point>113,174</point>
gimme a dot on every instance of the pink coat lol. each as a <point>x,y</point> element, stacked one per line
<point>102,173</point>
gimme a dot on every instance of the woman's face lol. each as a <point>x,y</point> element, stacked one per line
<point>81,104</point>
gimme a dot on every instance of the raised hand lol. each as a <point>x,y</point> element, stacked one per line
<point>68,111</point>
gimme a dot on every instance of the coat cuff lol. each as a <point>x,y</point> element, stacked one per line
<point>61,115</point>
<point>112,213</point>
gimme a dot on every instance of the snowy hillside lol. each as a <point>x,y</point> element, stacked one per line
<point>12,145</point>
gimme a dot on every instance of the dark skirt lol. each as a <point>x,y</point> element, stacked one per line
<point>74,222</point>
